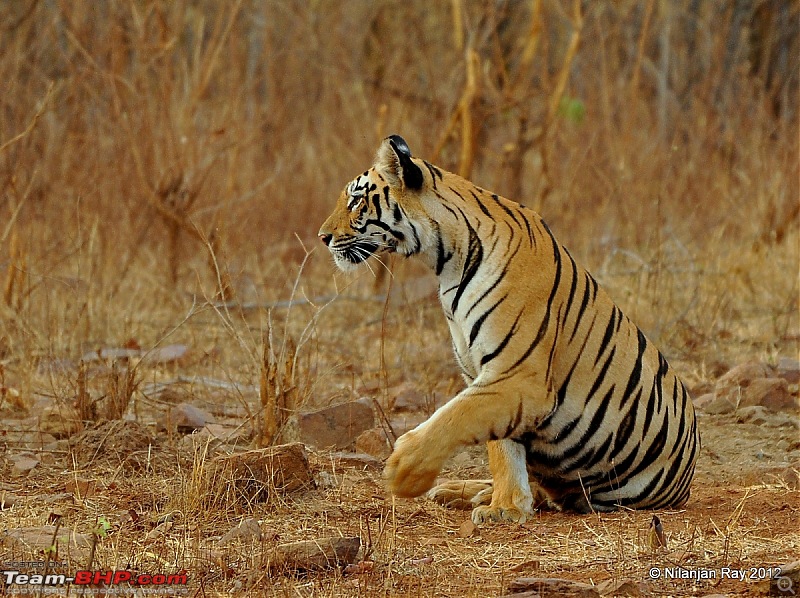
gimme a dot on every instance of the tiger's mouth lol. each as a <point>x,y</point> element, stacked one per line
<point>358,252</point>
<point>348,256</point>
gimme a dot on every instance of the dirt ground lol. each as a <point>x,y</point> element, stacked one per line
<point>136,486</point>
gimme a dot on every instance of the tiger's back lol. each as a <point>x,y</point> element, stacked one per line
<point>559,379</point>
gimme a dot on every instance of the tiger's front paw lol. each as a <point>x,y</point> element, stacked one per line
<point>413,466</point>
<point>508,504</point>
<point>485,514</point>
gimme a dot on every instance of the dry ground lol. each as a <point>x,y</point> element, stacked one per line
<point>744,510</point>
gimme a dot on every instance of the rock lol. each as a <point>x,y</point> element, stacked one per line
<point>337,426</point>
<point>549,586</point>
<point>731,386</point>
<point>8,500</point>
<point>788,369</point>
<point>227,433</point>
<point>33,541</point>
<point>621,587</point>
<point>407,399</point>
<point>248,530</point>
<point>358,460</point>
<point>257,475</point>
<point>23,463</point>
<point>772,393</point>
<point>60,420</point>
<point>167,354</point>
<point>755,414</point>
<point>703,401</point>
<point>373,442</point>
<point>80,488</point>
<point>115,443</point>
<point>720,406</point>
<point>110,354</point>
<point>311,555</point>
<point>187,418</point>
<point>788,581</point>
<point>791,476</point>
<point>467,529</point>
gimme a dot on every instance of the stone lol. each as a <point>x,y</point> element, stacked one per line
<point>23,463</point>
<point>731,386</point>
<point>720,406</point>
<point>621,587</point>
<point>772,393</point>
<point>703,401</point>
<point>248,530</point>
<point>33,541</point>
<point>755,414</point>
<point>257,475</point>
<point>8,500</point>
<point>787,583</point>
<point>336,426</point>
<point>550,586</point>
<point>373,442</point>
<point>360,461</point>
<point>315,555</point>
<point>60,420</point>
<point>788,369</point>
<point>167,354</point>
<point>408,399</point>
<point>187,418</point>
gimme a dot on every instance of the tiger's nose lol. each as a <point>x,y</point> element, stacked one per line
<point>325,238</point>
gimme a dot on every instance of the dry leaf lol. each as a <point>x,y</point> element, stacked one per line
<point>467,529</point>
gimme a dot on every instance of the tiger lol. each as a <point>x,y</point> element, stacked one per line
<point>573,401</point>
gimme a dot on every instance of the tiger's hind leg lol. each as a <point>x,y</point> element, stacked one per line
<point>512,499</point>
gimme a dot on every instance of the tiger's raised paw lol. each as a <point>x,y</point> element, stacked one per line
<point>414,464</point>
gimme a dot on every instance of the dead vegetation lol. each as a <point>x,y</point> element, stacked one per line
<point>164,168</point>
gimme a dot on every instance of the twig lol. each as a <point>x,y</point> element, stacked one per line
<point>34,120</point>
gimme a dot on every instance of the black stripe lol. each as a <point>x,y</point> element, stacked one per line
<point>607,336</point>
<point>625,430</point>
<point>546,320</point>
<point>376,201</point>
<point>648,411</point>
<point>636,373</point>
<point>573,286</point>
<point>482,206</point>
<point>601,374</point>
<point>584,303</point>
<point>489,289</point>
<point>681,433</point>
<point>593,457</point>
<point>515,422</point>
<point>654,451</point>
<point>476,327</point>
<point>442,257</point>
<point>504,208</point>
<point>487,358</point>
<point>531,238</point>
<point>644,493</point>
<point>582,442</point>
<point>561,393</point>
<point>471,264</point>
<point>433,173</point>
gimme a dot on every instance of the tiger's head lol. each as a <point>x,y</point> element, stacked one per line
<point>380,210</point>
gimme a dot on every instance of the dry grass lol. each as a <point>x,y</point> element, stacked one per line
<point>164,167</point>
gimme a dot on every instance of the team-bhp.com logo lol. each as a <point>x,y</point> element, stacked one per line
<point>85,578</point>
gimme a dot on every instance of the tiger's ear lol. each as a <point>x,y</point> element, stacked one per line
<point>394,163</point>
